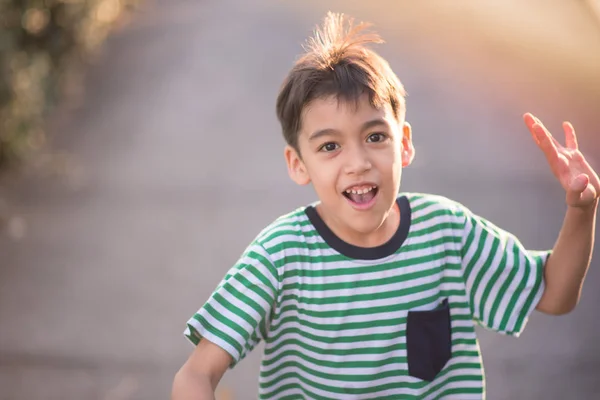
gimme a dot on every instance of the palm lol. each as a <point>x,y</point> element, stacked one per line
<point>567,163</point>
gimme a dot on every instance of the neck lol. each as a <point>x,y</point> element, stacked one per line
<point>378,237</point>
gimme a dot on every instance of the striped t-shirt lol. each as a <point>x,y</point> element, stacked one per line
<point>390,322</point>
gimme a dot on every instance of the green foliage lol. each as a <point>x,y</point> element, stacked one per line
<point>44,45</point>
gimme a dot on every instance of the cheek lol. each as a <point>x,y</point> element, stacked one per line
<point>323,175</point>
<point>391,157</point>
<point>389,164</point>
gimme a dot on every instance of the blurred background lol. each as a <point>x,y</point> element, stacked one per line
<point>140,154</point>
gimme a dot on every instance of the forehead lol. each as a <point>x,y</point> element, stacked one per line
<point>339,114</point>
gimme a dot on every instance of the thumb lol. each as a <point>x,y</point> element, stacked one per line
<point>580,191</point>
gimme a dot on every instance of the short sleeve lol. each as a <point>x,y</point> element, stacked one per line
<point>237,314</point>
<point>504,281</point>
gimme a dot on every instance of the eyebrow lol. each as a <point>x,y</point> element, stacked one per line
<point>330,131</point>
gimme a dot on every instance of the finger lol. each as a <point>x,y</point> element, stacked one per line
<point>570,137</point>
<point>579,183</point>
<point>556,142</point>
<point>531,121</point>
<point>545,142</point>
<point>581,192</point>
<point>588,196</point>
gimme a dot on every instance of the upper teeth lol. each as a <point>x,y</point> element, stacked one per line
<point>360,191</point>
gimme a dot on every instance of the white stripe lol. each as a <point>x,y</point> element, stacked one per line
<point>523,294</point>
<point>289,238</point>
<point>352,303</point>
<point>372,319</point>
<point>216,339</point>
<point>264,270</point>
<point>293,224</point>
<point>336,334</point>
<point>436,201</point>
<point>232,317</point>
<point>329,334</point>
<point>486,280</point>
<point>240,287</point>
<point>295,380</point>
<point>376,382</point>
<point>457,385</point>
<point>478,264</point>
<point>430,224</point>
<point>437,234</point>
<point>349,293</point>
<point>368,317</point>
<point>403,260</point>
<point>495,292</point>
<point>347,358</point>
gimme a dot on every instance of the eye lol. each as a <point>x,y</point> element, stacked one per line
<point>376,137</point>
<point>329,147</point>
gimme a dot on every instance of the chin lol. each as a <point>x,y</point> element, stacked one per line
<point>367,224</point>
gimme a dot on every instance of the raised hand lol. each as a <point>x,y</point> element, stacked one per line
<point>567,163</point>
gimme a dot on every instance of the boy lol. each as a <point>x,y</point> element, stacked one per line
<point>367,293</point>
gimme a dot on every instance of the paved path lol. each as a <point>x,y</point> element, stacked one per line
<point>178,164</point>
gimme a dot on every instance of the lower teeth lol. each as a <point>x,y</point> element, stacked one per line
<point>361,198</point>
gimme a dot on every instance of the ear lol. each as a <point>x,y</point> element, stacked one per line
<point>408,150</point>
<point>296,168</point>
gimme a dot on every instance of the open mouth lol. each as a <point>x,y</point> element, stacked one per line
<point>361,195</point>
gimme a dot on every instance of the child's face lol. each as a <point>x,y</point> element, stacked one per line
<point>354,159</point>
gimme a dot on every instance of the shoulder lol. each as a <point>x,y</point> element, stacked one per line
<point>293,223</point>
<point>431,209</point>
<point>292,228</point>
<point>262,257</point>
<point>432,212</point>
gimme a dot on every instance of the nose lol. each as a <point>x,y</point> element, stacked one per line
<point>357,161</point>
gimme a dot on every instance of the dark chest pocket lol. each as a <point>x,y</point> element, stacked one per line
<point>428,341</point>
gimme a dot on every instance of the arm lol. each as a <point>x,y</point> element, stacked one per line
<point>566,268</point>
<point>199,376</point>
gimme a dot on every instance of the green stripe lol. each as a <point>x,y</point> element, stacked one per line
<point>301,245</point>
<point>365,310</point>
<point>306,359</point>
<point>437,213</point>
<point>473,262</point>
<point>226,321</point>
<point>294,232</point>
<point>226,338</point>
<point>501,292</point>
<point>250,286</point>
<point>447,392</point>
<point>415,208</point>
<point>480,244</point>
<point>231,309</point>
<point>389,294</point>
<point>485,266</point>
<point>357,325</point>
<point>373,269</point>
<point>535,265</point>
<point>517,293</point>
<point>233,292</point>
<point>459,390</point>
<point>379,388</point>
<point>311,395</point>
<point>455,226</point>
<point>385,350</point>
<point>359,338</point>
<point>494,281</point>
<point>194,335</point>
<point>266,263</point>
